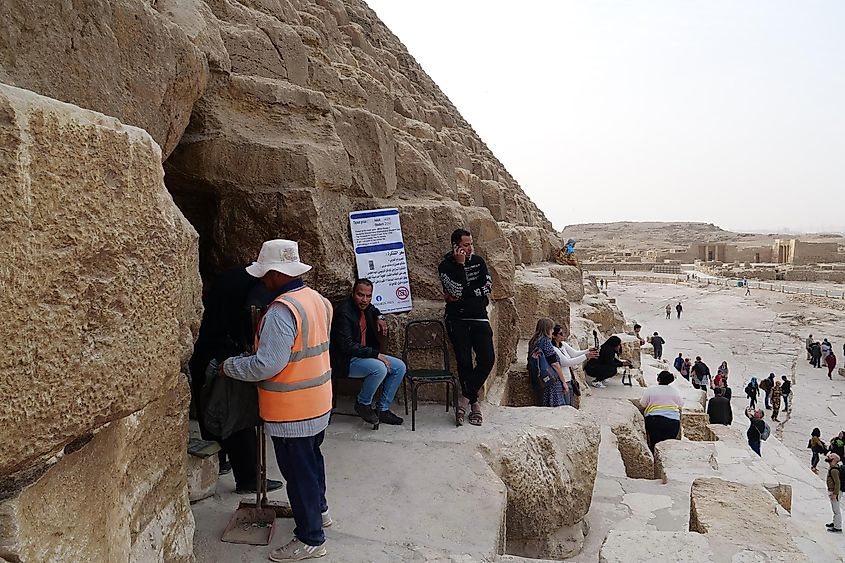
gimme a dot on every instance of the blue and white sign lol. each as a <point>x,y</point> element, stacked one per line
<point>380,257</point>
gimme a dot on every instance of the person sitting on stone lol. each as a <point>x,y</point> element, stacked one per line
<point>719,408</point>
<point>605,365</point>
<point>356,352</point>
<point>637,328</point>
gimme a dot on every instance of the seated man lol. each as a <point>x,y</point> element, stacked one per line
<point>719,408</point>
<point>355,352</point>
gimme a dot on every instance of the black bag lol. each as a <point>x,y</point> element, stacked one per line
<point>576,387</point>
<point>229,405</point>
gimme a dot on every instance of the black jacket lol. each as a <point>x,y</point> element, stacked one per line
<point>719,411</point>
<point>345,340</point>
<point>470,283</point>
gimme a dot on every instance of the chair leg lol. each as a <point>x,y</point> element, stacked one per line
<point>447,396</point>
<point>413,407</point>
<point>405,393</point>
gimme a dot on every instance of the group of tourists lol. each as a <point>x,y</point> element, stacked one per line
<point>834,453</point>
<point>678,309</point>
<point>278,372</point>
<point>821,353</point>
<point>699,375</point>
<point>774,390</point>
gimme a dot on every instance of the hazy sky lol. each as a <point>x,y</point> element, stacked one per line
<point>723,111</point>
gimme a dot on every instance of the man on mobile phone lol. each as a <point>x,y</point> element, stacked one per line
<point>466,284</point>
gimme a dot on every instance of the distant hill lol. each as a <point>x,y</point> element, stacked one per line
<point>658,235</point>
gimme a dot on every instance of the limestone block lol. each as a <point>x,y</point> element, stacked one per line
<point>627,424</point>
<point>646,546</point>
<point>695,426</point>
<point>197,21</point>
<point>606,315</point>
<point>549,470</point>
<point>537,296</point>
<point>570,278</point>
<point>741,515</point>
<point>842,372</point>
<point>120,496</point>
<point>95,251</point>
<point>60,50</point>
<point>685,461</point>
<point>201,475</point>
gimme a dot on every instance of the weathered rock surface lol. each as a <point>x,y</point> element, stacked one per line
<point>201,474</point>
<point>647,546</point>
<point>743,516</point>
<point>539,295</point>
<point>120,58</point>
<point>101,266</point>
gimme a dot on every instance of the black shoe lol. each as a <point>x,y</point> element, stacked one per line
<point>388,417</point>
<point>225,468</point>
<point>272,485</point>
<point>837,530</point>
<point>366,412</point>
<point>829,525</point>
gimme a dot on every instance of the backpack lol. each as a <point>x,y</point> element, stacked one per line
<point>764,435</point>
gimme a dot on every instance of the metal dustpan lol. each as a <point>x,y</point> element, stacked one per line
<point>254,524</point>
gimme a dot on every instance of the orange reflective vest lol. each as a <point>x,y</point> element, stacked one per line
<point>303,389</point>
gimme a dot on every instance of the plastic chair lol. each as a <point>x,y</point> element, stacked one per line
<point>427,335</point>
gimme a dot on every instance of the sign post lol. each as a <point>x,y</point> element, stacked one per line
<point>380,257</point>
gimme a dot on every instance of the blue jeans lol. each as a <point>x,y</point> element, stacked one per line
<point>304,470</point>
<point>755,445</point>
<point>373,371</point>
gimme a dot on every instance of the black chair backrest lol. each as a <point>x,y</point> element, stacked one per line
<point>426,334</point>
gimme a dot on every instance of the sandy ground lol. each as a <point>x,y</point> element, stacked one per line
<point>756,335</point>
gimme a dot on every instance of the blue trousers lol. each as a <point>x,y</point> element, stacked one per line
<point>755,445</point>
<point>302,466</point>
<point>374,372</point>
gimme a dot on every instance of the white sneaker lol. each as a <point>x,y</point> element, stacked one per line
<point>327,519</point>
<point>295,550</point>
<point>598,385</point>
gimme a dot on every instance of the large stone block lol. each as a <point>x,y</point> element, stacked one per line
<point>121,58</point>
<point>100,265</point>
<point>647,546</point>
<point>537,296</point>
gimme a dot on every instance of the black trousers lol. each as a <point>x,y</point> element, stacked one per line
<point>243,451</point>
<point>659,428</point>
<point>468,337</point>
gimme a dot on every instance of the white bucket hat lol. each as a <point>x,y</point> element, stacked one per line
<point>279,255</point>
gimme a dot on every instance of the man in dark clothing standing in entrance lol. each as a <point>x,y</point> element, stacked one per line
<point>466,285</point>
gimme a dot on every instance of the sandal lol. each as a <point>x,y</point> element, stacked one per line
<point>460,414</point>
<point>475,418</point>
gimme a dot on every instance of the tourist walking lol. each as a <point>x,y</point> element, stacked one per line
<point>662,405</point>
<point>719,408</point>
<point>752,390</point>
<point>679,308</point>
<point>817,447</point>
<point>701,375</point>
<point>766,385</point>
<point>826,349</point>
<point>466,284</point>
<point>605,364</point>
<point>776,394</point>
<point>758,430</point>
<point>657,342</point>
<point>668,311</point>
<point>747,288</point>
<point>544,366</point>
<point>830,361</point>
<point>786,392</point>
<point>837,444</point>
<point>809,343</point>
<point>569,357</point>
<point>679,363</point>
<point>815,355</point>
<point>721,375</point>
<point>834,491</point>
<point>290,367</point>
<point>686,369</point>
